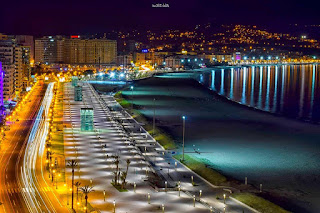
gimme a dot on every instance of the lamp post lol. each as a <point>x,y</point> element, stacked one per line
<point>166,184</point>
<point>134,187</point>
<point>148,198</point>
<point>131,96</point>
<point>162,208</point>
<point>104,195</point>
<point>194,201</point>
<point>183,132</point>
<point>154,116</point>
<point>114,206</point>
<point>224,198</point>
<point>200,193</point>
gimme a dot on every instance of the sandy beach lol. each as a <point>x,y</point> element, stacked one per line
<point>283,154</point>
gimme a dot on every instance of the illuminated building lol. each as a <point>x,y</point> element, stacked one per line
<point>90,51</point>
<point>237,56</point>
<point>77,93</point>
<point>26,68</point>
<point>49,49</point>
<point>1,86</point>
<point>11,58</point>
<point>86,116</point>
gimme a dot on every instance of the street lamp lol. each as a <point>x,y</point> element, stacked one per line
<point>148,198</point>
<point>154,116</point>
<point>166,184</point>
<point>104,195</point>
<point>200,193</point>
<point>224,198</point>
<point>183,133</point>
<point>114,206</point>
<point>132,96</point>
<point>194,201</point>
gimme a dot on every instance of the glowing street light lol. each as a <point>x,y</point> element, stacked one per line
<point>132,96</point>
<point>114,206</point>
<point>183,133</point>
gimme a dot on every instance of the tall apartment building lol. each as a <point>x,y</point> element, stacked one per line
<point>26,68</point>
<point>49,49</point>
<point>26,41</point>
<point>57,49</point>
<point>90,51</point>
<point>18,74</point>
<point>16,54</point>
<point>8,66</point>
<point>1,88</point>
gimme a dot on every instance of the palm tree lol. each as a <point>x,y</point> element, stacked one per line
<point>77,184</point>
<point>126,173</point>
<point>86,190</point>
<point>123,178</point>
<point>116,161</point>
<point>72,164</point>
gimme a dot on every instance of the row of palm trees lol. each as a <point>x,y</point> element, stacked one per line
<point>85,189</point>
<point>118,174</point>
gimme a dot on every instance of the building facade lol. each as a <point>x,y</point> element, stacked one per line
<point>49,49</point>
<point>56,49</point>
<point>1,87</point>
<point>90,51</point>
<point>7,57</point>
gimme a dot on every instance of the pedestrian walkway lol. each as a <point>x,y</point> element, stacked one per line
<point>155,180</point>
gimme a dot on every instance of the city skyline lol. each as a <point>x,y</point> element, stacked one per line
<point>60,17</point>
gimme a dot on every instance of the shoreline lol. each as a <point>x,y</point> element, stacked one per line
<point>248,194</point>
<point>268,196</point>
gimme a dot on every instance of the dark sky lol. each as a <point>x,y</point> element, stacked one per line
<point>40,17</point>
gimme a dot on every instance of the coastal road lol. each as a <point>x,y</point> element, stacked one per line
<point>12,150</point>
<point>40,196</point>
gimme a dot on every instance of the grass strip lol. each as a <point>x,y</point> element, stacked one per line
<point>258,203</point>
<point>200,167</point>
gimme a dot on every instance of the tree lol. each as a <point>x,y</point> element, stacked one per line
<point>73,164</point>
<point>86,190</point>
<point>125,173</point>
<point>117,173</point>
<point>123,178</point>
<point>77,184</point>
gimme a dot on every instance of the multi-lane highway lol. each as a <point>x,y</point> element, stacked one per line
<point>37,197</point>
<point>12,150</point>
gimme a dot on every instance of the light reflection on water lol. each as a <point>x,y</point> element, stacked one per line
<point>292,91</point>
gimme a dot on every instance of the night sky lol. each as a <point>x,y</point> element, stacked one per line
<point>43,17</point>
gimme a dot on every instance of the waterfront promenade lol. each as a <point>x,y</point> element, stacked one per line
<point>153,175</point>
